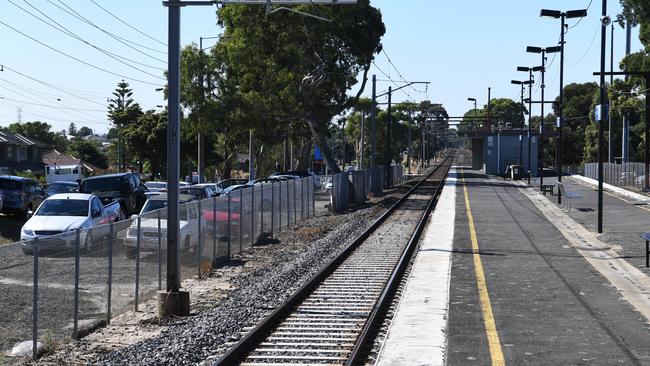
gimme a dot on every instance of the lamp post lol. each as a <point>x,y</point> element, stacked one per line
<point>529,70</point>
<point>543,51</point>
<point>473,100</point>
<point>560,120</point>
<point>521,127</point>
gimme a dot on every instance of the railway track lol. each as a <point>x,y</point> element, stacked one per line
<point>332,319</point>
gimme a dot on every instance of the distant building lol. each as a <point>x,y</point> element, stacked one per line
<point>21,154</point>
<point>493,151</point>
<point>54,157</point>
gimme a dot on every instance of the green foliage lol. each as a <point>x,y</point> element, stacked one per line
<point>88,151</point>
<point>147,140</point>
<point>41,132</point>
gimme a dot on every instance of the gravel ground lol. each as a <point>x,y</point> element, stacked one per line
<point>256,284</point>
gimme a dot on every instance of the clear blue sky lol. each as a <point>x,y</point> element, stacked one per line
<point>461,47</point>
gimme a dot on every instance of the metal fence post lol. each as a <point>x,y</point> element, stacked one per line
<point>252,216</point>
<point>77,244</point>
<point>110,273</point>
<point>214,231</point>
<point>288,206</point>
<point>313,196</point>
<point>35,303</point>
<point>159,253</point>
<point>199,218</point>
<point>302,199</point>
<point>280,207</point>
<point>272,209</point>
<point>261,209</point>
<point>295,211</point>
<point>229,224</point>
<point>137,265</point>
<point>241,221</point>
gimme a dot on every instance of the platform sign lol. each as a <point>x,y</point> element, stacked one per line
<point>317,154</point>
<point>600,112</point>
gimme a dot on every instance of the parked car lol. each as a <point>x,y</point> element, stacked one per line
<point>61,215</point>
<point>126,188</point>
<point>199,193</point>
<point>300,174</point>
<point>236,187</point>
<point>156,186</point>
<point>20,195</point>
<point>221,217</point>
<point>211,186</point>
<point>61,187</point>
<point>188,227</point>
<point>222,185</point>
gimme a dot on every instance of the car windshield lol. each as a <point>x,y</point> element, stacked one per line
<point>154,205</point>
<point>230,182</point>
<point>198,193</point>
<point>55,188</point>
<point>10,184</point>
<point>101,184</point>
<point>63,208</point>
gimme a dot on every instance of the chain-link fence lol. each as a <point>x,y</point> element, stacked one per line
<point>60,286</point>
<point>626,175</point>
<point>354,187</point>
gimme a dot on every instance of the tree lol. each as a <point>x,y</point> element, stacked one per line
<point>295,71</point>
<point>84,131</point>
<point>148,140</point>
<point>88,151</point>
<point>72,129</point>
<point>123,111</point>
<point>41,132</point>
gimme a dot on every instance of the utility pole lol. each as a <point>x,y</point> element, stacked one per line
<point>489,107</point>
<point>626,119</point>
<point>601,123</point>
<point>360,164</point>
<point>610,138</point>
<point>251,156</point>
<point>199,139</point>
<point>410,143</point>
<point>373,123</point>
<point>387,157</point>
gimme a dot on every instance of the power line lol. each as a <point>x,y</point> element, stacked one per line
<point>69,33</point>
<point>128,25</point>
<point>392,64</point>
<point>77,59</point>
<point>122,40</point>
<point>50,85</point>
<point>389,78</point>
<point>53,106</point>
<point>579,20</point>
<point>91,122</point>
<point>588,48</point>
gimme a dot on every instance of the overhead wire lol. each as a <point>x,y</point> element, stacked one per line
<point>579,20</point>
<point>588,48</point>
<point>119,58</point>
<point>122,40</point>
<point>77,59</point>
<point>127,24</point>
<point>52,86</point>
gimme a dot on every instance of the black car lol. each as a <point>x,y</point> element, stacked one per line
<point>199,193</point>
<point>127,188</point>
<point>221,186</point>
<point>61,187</point>
<point>20,195</point>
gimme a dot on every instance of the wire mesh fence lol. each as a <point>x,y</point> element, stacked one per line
<point>60,286</point>
<point>354,187</point>
<point>626,175</point>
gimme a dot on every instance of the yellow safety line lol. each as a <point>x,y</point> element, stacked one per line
<point>486,306</point>
<point>624,200</point>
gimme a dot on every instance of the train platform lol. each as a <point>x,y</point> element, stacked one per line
<point>504,275</point>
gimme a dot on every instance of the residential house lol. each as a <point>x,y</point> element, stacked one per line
<point>21,154</point>
<point>54,157</point>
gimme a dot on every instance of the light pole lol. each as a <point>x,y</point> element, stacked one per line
<point>560,120</point>
<point>473,100</point>
<point>601,123</point>
<point>200,156</point>
<point>529,70</point>
<point>543,51</point>
<point>521,127</point>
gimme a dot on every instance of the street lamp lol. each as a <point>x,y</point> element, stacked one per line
<point>529,70</point>
<point>521,127</point>
<point>543,51</point>
<point>560,119</point>
<point>473,100</point>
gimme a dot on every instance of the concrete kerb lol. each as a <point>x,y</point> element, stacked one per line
<point>614,189</point>
<point>632,283</point>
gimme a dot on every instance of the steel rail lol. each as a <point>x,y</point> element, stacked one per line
<point>248,343</point>
<point>376,316</point>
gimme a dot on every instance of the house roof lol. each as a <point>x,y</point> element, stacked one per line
<point>53,157</point>
<point>18,139</point>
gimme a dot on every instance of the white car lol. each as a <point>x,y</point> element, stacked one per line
<point>60,215</point>
<point>149,225</point>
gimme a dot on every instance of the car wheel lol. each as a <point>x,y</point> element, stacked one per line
<point>131,252</point>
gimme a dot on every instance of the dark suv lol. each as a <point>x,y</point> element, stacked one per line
<point>20,195</point>
<point>126,188</point>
